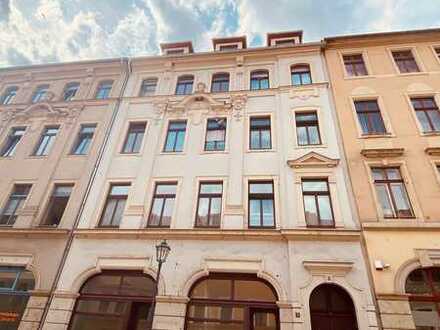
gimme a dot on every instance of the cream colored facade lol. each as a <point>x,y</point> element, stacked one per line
<point>293,258</point>
<point>401,244</point>
<point>27,243</point>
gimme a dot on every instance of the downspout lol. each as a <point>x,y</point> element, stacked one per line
<point>350,190</point>
<point>126,62</point>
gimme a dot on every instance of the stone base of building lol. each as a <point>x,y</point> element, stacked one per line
<point>395,312</point>
<point>34,311</point>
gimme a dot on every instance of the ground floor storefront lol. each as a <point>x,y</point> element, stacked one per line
<point>269,283</point>
<point>406,273</point>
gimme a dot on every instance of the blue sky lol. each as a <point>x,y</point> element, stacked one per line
<point>42,31</point>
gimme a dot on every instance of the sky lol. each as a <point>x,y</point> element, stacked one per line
<point>47,31</point>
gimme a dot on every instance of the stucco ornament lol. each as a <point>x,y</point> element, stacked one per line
<point>238,103</point>
<point>304,93</point>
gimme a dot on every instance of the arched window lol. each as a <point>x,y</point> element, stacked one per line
<point>423,287</point>
<point>15,282</point>
<point>9,95</point>
<point>300,74</point>
<point>232,302</point>
<point>259,79</point>
<point>70,91</point>
<point>184,85</point>
<point>114,300</point>
<point>331,308</point>
<point>220,82</point>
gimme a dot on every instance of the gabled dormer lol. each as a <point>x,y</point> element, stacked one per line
<point>177,48</point>
<point>228,44</point>
<point>284,39</point>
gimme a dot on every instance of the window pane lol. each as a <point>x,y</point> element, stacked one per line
<point>325,211</point>
<point>265,139</point>
<point>103,284</point>
<point>108,212</point>
<point>97,322</point>
<point>156,212</point>
<point>378,174</point>
<point>254,212</point>
<point>264,84</point>
<point>314,185</point>
<point>268,215</point>
<point>425,315</point>
<point>401,199</point>
<point>211,188</point>
<point>314,135</point>
<point>261,188</point>
<point>252,290</point>
<point>417,283</point>
<point>137,286</point>
<point>117,217</point>
<point>393,173</point>
<point>255,140</point>
<point>363,122</point>
<point>166,188</point>
<point>310,211</point>
<point>423,120</point>
<point>434,115</point>
<point>202,213</point>
<point>302,135</point>
<point>180,141</point>
<point>171,139</point>
<point>377,122</point>
<point>26,281</point>
<point>296,79</point>
<point>384,200</point>
<point>167,212</point>
<point>213,289</point>
<point>7,277</point>
<point>306,78</point>
<point>119,189</point>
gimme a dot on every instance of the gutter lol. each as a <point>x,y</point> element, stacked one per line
<point>126,62</point>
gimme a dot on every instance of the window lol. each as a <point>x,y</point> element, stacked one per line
<point>12,141</point>
<point>259,79</point>
<point>70,91</point>
<point>163,204</point>
<point>307,128</point>
<point>232,302</point>
<point>285,42</point>
<point>57,204</point>
<point>300,75</point>
<point>9,95</point>
<point>133,141</point>
<point>175,136</point>
<point>114,300</point>
<point>184,85</point>
<point>317,203</point>
<point>331,307</point>
<point>391,193</point>
<point>84,139</point>
<point>260,137</point>
<point>115,205</point>
<point>14,204</point>
<point>370,118</point>
<point>46,141</point>
<point>423,289</point>
<point>209,205</point>
<point>261,204</point>
<point>227,47</point>
<point>148,87</point>
<point>40,93</point>
<point>220,82</point>
<point>104,89</point>
<point>427,113</point>
<point>15,284</point>
<point>175,51</point>
<point>355,65</point>
<point>215,134</point>
<point>405,61</point>
<point>437,51</point>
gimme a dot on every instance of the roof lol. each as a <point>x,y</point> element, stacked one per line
<point>284,34</point>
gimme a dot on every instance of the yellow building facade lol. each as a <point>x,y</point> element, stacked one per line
<point>387,95</point>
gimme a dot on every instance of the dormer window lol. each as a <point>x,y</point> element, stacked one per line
<point>40,93</point>
<point>281,39</point>
<point>185,85</point>
<point>229,44</point>
<point>177,48</point>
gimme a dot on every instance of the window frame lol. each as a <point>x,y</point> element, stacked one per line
<point>315,194</point>
<point>185,83</point>
<point>78,140</point>
<point>307,124</point>
<point>142,93</point>
<point>106,200</point>
<point>99,86</point>
<point>260,197</point>
<point>207,129</point>
<point>210,196</point>
<point>379,111</point>
<point>7,142</point>
<point>124,143</point>
<point>218,76</point>
<point>259,79</point>
<point>164,197</point>
<point>174,151</point>
<point>40,93</point>
<point>414,55</point>
<point>66,88</point>
<point>412,98</point>
<point>353,64</point>
<point>390,195</point>
<point>41,138</point>
<point>5,96</point>
<point>305,70</point>
<point>260,116</point>
<point>20,197</point>
<point>50,202</point>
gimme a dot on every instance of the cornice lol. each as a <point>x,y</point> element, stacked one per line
<point>33,232</point>
<point>401,225</point>
<point>433,151</point>
<point>224,235</point>
<point>382,152</point>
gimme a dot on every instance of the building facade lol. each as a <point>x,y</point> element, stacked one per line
<point>232,156</point>
<point>387,94</point>
<point>53,121</point>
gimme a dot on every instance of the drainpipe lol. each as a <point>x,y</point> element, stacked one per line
<point>126,62</point>
<point>350,190</point>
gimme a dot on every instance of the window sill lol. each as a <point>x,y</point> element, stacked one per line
<point>172,153</point>
<point>129,154</point>
<point>377,136</point>
<point>311,146</point>
<point>260,150</point>
<point>213,152</point>
<point>37,157</point>
<point>428,134</point>
<point>358,77</point>
<point>418,73</point>
<point>77,156</point>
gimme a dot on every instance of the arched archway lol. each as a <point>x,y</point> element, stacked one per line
<point>423,287</point>
<point>331,308</point>
<point>232,302</point>
<point>114,300</point>
<point>15,283</point>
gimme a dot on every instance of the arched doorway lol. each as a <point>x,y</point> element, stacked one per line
<point>114,300</point>
<point>15,282</point>
<point>331,308</point>
<point>423,288</point>
<point>232,302</point>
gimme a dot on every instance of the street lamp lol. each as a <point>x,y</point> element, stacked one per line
<point>162,252</point>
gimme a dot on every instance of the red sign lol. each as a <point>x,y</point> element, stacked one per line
<point>8,317</point>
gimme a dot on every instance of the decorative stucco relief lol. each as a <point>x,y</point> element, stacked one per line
<point>304,93</point>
